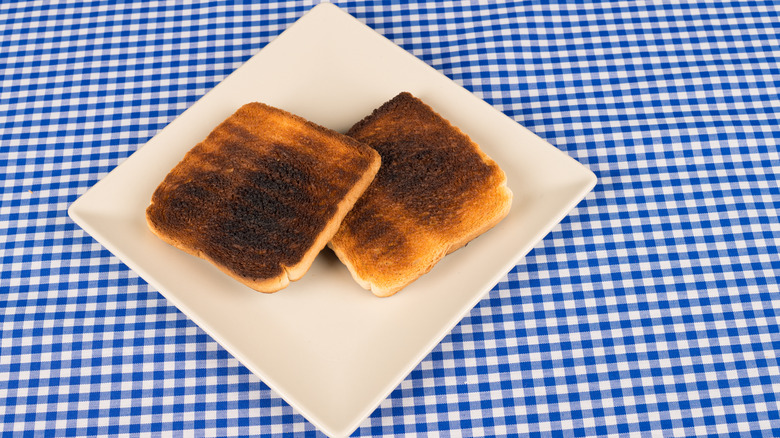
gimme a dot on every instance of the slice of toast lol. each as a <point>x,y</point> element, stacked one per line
<point>436,191</point>
<point>261,195</point>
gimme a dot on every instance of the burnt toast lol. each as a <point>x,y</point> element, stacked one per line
<point>261,195</point>
<point>435,191</point>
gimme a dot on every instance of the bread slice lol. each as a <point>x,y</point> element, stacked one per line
<point>436,191</point>
<point>261,195</point>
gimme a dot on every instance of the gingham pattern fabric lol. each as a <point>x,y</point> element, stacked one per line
<point>651,309</point>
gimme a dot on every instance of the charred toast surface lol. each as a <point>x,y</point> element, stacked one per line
<point>435,191</point>
<point>261,195</point>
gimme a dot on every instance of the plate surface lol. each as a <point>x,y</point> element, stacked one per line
<point>329,348</point>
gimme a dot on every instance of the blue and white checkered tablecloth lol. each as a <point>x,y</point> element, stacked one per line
<point>651,309</point>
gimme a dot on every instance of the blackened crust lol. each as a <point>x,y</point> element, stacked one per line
<point>428,165</point>
<point>435,191</point>
<point>255,195</point>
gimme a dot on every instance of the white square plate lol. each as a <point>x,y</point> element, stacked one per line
<point>329,348</point>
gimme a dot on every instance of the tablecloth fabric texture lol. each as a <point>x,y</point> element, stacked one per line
<point>651,308</point>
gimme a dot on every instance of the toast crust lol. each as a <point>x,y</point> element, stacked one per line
<point>435,192</point>
<point>261,195</point>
